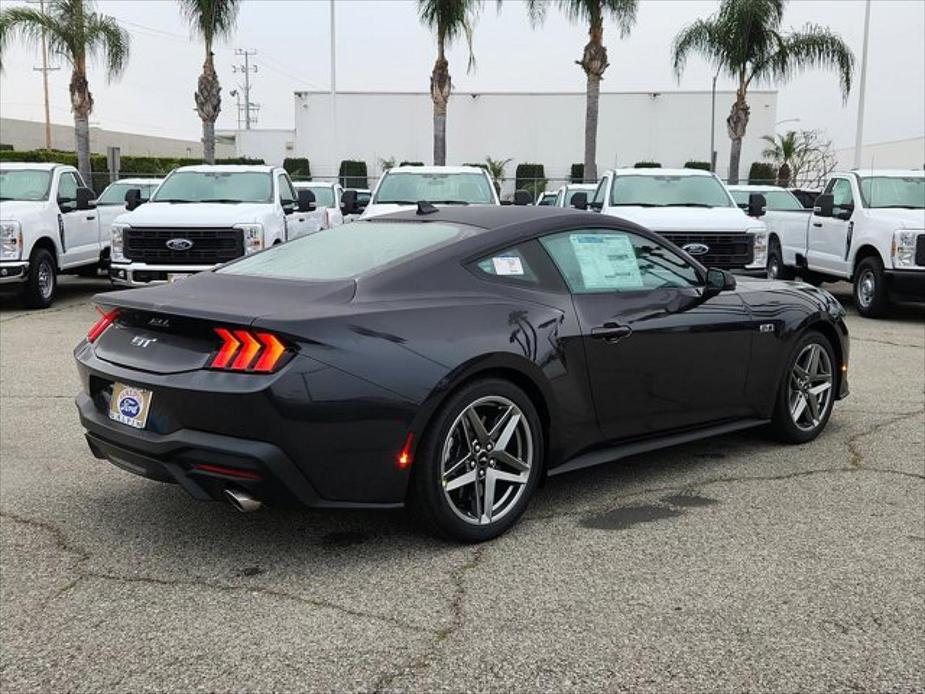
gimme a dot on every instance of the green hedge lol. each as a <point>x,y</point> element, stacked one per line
<point>762,173</point>
<point>647,165</point>
<point>577,173</point>
<point>530,177</point>
<point>702,165</point>
<point>481,165</point>
<point>412,163</point>
<point>298,168</point>
<point>353,174</point>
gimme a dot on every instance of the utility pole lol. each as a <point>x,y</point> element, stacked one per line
<point>45,70</point>
<point>334,148</point>
<point>859,135</point>
<point>237,95</point>
<point>713,125</point>
<point>247,69</point>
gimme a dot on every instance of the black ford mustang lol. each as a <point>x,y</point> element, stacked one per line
<point>448,360</point>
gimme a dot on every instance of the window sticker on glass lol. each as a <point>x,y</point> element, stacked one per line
<point>508,265</point>
<point>607,261</point>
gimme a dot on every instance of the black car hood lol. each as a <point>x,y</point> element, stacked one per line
<point>231,298</point>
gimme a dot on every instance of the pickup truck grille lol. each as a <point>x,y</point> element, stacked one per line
<point>727,251</point>
<point>209,245</point>
<point>920,250</point>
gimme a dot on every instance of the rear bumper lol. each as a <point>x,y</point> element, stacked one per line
<point>13,274</point>
<point>145,275</point>
<point>906,285</point>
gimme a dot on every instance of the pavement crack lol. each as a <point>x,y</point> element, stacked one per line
<point>857,457</point>
<point>44,312</point>
<point>886,342</point>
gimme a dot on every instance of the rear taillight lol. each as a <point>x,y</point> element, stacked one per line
<point>105,320</point>
<point>247,350</point>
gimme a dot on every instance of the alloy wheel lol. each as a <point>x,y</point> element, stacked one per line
<point>487,460</point>
<point>810,389</point>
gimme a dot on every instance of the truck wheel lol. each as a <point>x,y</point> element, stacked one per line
<point>39,290</point>
<point>776,268</point>
<point>870,297</point>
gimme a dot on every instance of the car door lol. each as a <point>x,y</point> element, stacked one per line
<point>830,237</point>
<point>79,229</point>
<point>662,354</point>
<point>297,223</point>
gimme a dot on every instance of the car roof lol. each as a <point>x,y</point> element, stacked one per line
<point>661,172</point>
<point>904,173</point>
<point>138,181</point>
<point>749,186</point>
<point>581,186</point>
<point>314,184</point>
<point>436,169</point>
<point>227,168</point>
<point>37,166</point>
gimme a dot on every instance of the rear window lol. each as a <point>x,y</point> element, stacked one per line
<point>345,252</point>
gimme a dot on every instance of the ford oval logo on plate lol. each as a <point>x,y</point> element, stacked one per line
<point>696,248</point>
<point>179,244</point>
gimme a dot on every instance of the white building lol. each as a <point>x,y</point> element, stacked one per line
<point>543,128</point>
<point>896,154</point>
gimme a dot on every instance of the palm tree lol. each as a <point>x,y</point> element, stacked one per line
<point>743,40</point>
<point>594,60</point>
<point>784,150</point>
<point>447,19</point>
<point>74,33</point>
<point>495,169</point>
<point>211,19</point>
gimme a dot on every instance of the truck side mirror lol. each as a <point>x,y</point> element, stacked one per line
<point>84,199</point>
<point>348,202</point>
<point>580,201</point>
<point>824,206</point>
<point>522,197</point>
<point>756,205</point>
<point>133,199</point>
<point>306,201</point>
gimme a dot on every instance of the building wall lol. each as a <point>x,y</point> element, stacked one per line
<point>27,135</point>
<point>668,127</point>
<point>897,154</point>
<point>270,145</point>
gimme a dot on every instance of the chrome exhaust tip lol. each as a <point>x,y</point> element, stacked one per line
<point>242,501</point>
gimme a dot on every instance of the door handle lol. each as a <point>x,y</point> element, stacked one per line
<point>817,224</point>
<point>92,216</point>
<point>611,332</point>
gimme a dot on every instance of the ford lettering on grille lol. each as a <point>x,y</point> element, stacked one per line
<point>696,248</point>
<point>179,244</point>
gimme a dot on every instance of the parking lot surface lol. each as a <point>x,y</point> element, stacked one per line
<point>730,564</point>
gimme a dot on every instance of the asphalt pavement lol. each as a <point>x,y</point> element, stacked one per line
<point>728,565</point>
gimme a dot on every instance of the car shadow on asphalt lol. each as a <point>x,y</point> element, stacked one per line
<point>71,291</point>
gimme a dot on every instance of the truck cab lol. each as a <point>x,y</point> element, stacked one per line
<point>48,226</point>
<point>402,187</point>
<point>328,196</point>
<point>202,216</point>
<point>689,207</point>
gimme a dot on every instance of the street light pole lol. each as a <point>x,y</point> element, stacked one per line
<point>859,135</point>
<point>713,125</point>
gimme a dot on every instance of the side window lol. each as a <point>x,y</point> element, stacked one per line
<point>598,260</point>
<point>286,191</point>
<point>600,193</point>
<point>841,193</point>
<point>67,186</point>
<point>525,264</point>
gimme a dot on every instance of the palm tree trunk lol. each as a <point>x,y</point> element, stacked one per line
<point>736,124</point>
<point>593,62</point>
<point>208,97</point>
<point>208,142</point>
<point>440,87</point>
<point>82,106</point>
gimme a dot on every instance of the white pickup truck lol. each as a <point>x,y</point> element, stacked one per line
<point>48,226</point>
<point>689,207</point>
<point>868,227</point>
<point>402,187</point>
<point>202,216</point>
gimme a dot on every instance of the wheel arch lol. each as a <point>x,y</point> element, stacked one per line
<point>48,244</point>
<point>866,250</point>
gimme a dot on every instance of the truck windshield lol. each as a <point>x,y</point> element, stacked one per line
<point>216,186</point>
<point>324,195</point>
<point>24,184</point>
<point>893,191</point>
<point>669,191</point>
<point>776,199</point>
<point>115,193</point>
<point>446,188</point>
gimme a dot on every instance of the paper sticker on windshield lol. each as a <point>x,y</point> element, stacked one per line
<point>606,261</point>
<point>508,265</point>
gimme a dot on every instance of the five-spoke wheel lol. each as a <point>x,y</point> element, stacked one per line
<point>807,391</point>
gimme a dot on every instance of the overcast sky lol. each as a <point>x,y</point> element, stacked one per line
<point>381,45</point>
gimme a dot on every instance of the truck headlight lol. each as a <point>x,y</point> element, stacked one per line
<point>116,248</point>
<point>253,237</point>
<point>903,248</point>
<point>10,241</point>
<point>760,247</point>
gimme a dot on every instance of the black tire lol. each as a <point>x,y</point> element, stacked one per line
<point>427,499</point>
<point>783,425</point>
<point>870,294</point>
<point>42,283</point>
<point>776,268</point>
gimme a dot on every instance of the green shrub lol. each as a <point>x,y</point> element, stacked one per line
<point>298,168</point>
<point>481,165</point>
<point>530,177</point>
<point>577,173</point>
<point>353,174</point>
<point>702,165</point>
<point>762,173</point>
<point>5,147</point>
<point>412,163</point>
<point>647,165</point>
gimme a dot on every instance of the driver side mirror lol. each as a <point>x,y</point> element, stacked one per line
<point>133,199</point>
<point>580,201</point>
<point>719,281</point>
<point>348,202</point>
<point>845,212</point>
<point>522,197</point>
<point>306,201</point>
<point>756,205</point>
<point>84,199</point>
<point>824,206</point>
